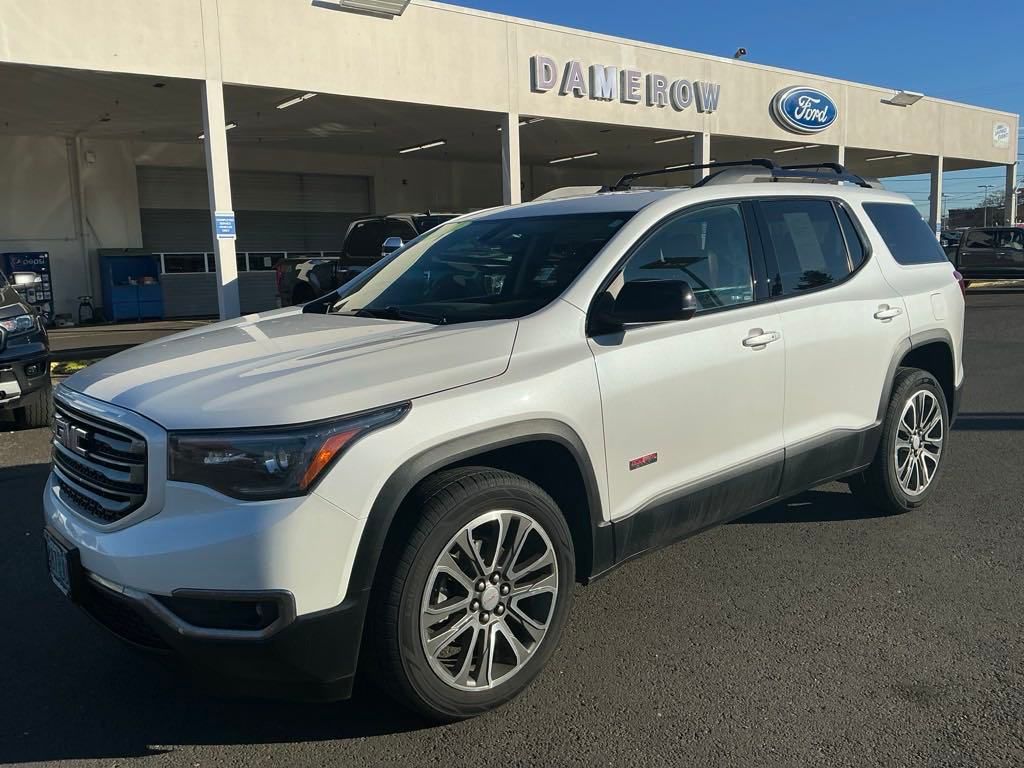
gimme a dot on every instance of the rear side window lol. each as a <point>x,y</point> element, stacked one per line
<point>1010,239</point>
<point>807,243</point>
<point>907,236</point>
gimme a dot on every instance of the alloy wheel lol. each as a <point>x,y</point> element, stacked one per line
<point>918,448</point>
<point>489,600</point>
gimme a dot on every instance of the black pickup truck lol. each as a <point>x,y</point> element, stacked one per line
<point>989,253</point>
<point>304,278</point>
<point>24,360</point>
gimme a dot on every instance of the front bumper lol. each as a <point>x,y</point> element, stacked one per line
<point>24,370</point>
<point>312,658</point>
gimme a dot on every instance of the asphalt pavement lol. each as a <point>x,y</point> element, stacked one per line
<point>814,633</point>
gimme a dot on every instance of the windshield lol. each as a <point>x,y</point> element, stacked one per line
<point>481,269</point>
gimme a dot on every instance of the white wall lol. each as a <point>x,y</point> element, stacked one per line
<point>38,212</point>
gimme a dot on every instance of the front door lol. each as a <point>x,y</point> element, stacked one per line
<point>692,408</point>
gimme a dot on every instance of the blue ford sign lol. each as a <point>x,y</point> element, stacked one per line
<point>804,110</point>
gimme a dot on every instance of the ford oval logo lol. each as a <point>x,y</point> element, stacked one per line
<point>804,110</point>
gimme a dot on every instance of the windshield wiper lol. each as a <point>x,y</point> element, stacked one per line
<point>399,313</point>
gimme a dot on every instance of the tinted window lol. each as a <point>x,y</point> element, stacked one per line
<point>428,222</point>
<point>981,238</point>
<point>367,237</point>
<point>482,269</point>
<point>1010,239</point>
<point>707,248</point>
<point>184,262</point>
<point>907,236</point>
<point>853,242</point>
<point>807,243</point>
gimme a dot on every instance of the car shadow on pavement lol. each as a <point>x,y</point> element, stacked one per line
<point>817,506</point>
<point>70,690</point>
<point>989,421</point>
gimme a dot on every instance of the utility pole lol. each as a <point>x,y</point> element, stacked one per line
<point>984,202</point>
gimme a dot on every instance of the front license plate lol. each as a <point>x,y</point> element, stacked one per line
<point>60,562</point>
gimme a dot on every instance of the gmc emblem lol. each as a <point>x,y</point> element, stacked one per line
<point>71,437</point>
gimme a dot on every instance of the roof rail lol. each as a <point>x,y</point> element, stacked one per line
<point>626,182</point>
<point>758,169</point>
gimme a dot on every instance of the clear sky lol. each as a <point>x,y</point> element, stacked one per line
<point>964,51</point>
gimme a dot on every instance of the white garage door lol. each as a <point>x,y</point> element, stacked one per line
<point>274,211</point>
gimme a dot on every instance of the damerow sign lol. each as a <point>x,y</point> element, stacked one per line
<point>629,86</point>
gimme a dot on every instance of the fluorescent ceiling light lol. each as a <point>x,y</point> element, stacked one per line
<point>904,98</point>
<point>572,157</point>
<point>227,127</point>
<point>418,147</point>
<point>673,138</point>
<point>296,100</point>
<point>528,121</point>
<point>887,157</point>
<point>794,149</point>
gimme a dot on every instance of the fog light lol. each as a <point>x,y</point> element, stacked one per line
<point>211,611</point>
<point>35,370</point>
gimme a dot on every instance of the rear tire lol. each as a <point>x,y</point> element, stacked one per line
<point>447,648</point>
<point>913,446</point>
<point>37,410</point>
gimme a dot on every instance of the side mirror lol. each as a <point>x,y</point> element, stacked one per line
<point>391,245</point>
<point>647,301</point>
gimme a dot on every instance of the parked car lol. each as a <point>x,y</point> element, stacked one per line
<point>989,253</point>
<point>411,472</point>
<point>25,387</point>
<point>302,279</point>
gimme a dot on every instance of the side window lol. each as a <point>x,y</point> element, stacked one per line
<point>807,243</point>
<point>707,248</point>
<point>907,236</point>
<point>1010,239</point>
<point>853,242</point>
<point>981,238</point>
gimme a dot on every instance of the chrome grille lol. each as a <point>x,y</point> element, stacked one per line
<point>100,466</point>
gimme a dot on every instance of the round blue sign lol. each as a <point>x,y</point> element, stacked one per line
<point>804,110</point>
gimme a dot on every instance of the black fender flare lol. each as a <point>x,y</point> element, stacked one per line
<point>902,350</point>
<point>407,475</point>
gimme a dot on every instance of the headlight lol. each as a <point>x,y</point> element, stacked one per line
<point>19,324</point>
<point>270,463</point>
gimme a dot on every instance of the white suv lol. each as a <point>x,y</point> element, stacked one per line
<point>409,475</point>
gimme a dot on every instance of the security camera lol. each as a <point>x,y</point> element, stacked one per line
<point>740,53</point>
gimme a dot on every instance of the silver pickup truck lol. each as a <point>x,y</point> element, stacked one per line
<point>301,279</point>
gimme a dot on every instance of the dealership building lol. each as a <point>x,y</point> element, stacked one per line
<point>215,136</point>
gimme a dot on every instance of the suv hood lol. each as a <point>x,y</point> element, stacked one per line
<point>286,367</point>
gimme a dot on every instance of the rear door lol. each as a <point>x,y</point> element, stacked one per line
<point>842,323</point>
<point>1009,253</point>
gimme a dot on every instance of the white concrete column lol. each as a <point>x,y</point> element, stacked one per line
<point>511,170</point>
<point>935,198</point>
<point>219,182</point>
<point>701,154</point>
<point>841,155</point>
<point>1011,195</point>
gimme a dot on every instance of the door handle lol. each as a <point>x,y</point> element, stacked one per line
<point>886,313</point>
<point>759,338</point>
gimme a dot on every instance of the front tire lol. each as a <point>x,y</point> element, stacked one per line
<point>37,410</point>
<point>478,597</point>
<point>910,454</point>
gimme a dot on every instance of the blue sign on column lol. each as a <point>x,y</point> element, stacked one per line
<point>224,224</point>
